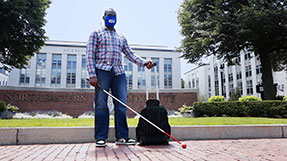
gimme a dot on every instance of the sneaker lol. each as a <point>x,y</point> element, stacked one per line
<point>124,141</point>
<point>100,143</point>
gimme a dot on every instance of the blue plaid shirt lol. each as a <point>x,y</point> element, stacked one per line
<point>104,52</point>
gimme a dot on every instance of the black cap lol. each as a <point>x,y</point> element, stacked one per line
<point>110,11</point>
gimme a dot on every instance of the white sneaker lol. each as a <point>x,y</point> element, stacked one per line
<point>100,143</point>
<point>124,141</point>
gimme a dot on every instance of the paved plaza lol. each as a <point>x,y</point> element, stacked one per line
<point>214,150</point>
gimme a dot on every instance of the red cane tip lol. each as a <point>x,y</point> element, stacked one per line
<point>184,146</point>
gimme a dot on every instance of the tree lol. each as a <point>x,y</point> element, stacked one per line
<point>227,27</point>
<point>235,94</point>
<point>21,30</point>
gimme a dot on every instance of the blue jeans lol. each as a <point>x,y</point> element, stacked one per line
<point>118,85</point>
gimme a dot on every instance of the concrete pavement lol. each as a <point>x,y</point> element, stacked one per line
<point>215,150</point>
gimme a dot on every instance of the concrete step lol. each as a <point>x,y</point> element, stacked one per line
<point>48,135</point>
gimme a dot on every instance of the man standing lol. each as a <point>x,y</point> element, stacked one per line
<point>105,69</point>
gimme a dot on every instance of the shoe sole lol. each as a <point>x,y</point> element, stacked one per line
<point>101,145</point>
<point>125,143</point>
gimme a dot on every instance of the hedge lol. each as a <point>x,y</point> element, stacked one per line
<point>241,109</point>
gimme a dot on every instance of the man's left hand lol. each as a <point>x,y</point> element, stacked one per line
<point>149,64</point>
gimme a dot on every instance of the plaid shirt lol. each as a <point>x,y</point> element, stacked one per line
<point>104,52</point>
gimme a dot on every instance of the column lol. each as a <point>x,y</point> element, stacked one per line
<point>212,79</point>
<point>254,75</point>
<point>226,81</point>
<point>234,76</point>
<point>148,76</point>
<point>33,67</point>
<point>176,73</point>
<point>48,70</point>
<point>135,76</point>
<point>64,71</point>
<point>161,71</point>
<point>78,71</point>
<point>243,72</point>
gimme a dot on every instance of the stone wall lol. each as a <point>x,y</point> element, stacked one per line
<point>77,101</point>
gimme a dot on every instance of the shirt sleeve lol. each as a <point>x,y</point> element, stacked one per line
<point>130,55</point>
<point>91,55</point>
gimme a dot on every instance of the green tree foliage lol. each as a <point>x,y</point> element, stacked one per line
<point>2,106</point>
<point>21,30</point>
<point>249,99</point>
<point>235,94</point>
<point>227,27</point>
<point>216,99</point>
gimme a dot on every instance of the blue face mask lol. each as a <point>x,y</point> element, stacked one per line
<point>110,21</point>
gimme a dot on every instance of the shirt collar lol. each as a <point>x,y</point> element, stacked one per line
<point>105,28</point>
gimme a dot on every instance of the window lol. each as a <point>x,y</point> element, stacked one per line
<point>155,60</point>
<point>230,88</point>
<point>128,67</point>
<point>197,82</point>
<point>239,75</point>
<point>71,70</point>
<point>84,73</point>
<point>230,74</point>
<point>249,87</point>
<point>258,69</point>
<point>216,87</point>
<point>167,73</point>
<point>230,77</point>
<point>237,60</point>
<point>41,69</point>
<point>239,85</point>
<point>56,70</point>
<point>141,77</point>
<point>248,71</point>
<point>223,77</point>
<point>25,75</point>
<point>209,83</point>
<point>247,56</point>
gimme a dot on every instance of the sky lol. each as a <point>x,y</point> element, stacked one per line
<point>144,22</point>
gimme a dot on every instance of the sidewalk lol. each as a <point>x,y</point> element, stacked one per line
<point>249,149</point>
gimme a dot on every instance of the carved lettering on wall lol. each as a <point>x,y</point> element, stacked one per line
<point>46,97</point>
<point>138,99</point>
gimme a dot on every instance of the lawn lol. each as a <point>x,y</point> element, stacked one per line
<point>133,122</point>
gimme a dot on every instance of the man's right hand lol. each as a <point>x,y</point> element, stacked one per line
<point>94,82</point>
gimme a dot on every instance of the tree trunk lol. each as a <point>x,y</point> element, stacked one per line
<point>267,77</point>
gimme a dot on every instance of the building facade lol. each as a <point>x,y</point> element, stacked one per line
<point>62,64</point>
<point>4,73</point>
<point>217,78</point>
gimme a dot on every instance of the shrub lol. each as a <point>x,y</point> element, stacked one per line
<point>270,108</point>
<point>249,99</point>
<point>231,108</point>
<point>185,109</point>
<point>216,99</point>
<point>2,106</point>
<point>278,111</point>
<point>12,109</point>
<point>279,98</point>
<point>6,114</point>
<point>285,98</point>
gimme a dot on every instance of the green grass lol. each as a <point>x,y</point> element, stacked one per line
<point>134,122</point>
